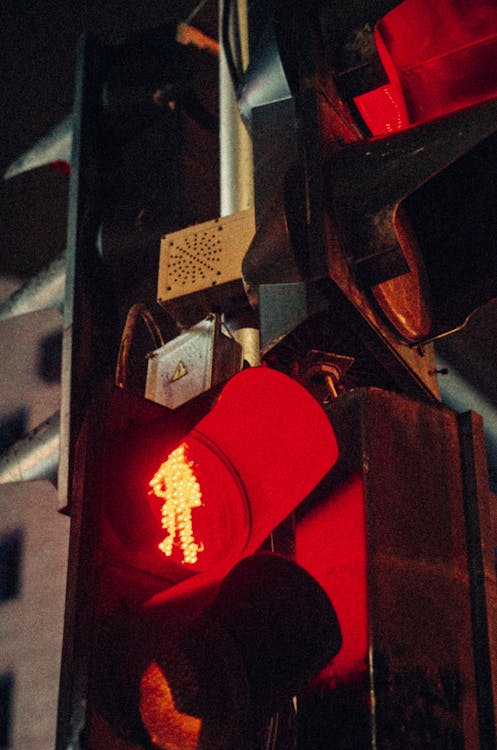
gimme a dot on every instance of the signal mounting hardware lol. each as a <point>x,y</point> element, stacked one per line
<point>191,363</point>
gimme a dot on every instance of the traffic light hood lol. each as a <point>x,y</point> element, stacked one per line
<point>250,651</point>
<point>242,470</point>
<point>278,439</point>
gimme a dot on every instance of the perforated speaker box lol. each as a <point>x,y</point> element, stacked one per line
<point>200,267</point>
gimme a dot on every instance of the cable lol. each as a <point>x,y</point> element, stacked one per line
<point>139,310</point>
<point>188,34</point>
<point>196,10</point>
<point>272,732</point>
<point>226,43</point>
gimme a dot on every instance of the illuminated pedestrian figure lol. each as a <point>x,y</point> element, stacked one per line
<point>176,482</point>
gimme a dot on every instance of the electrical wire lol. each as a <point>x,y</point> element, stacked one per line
<point>196,10</point>
<point>272,733</point>
<point>234,71</point>
<point>139,310</point>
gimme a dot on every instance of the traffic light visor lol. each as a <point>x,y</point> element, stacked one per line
<point>245,466</point>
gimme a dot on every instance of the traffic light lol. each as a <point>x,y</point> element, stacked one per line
<point>215,679</point>
<point>169,507</point>
<point>169,501</point>
<point>370,224</point>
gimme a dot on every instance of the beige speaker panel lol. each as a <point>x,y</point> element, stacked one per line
<point>204,256</point>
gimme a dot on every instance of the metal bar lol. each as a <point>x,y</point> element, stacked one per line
<point>41,292</point>
<point>35,456</point>
<point>86,295</point>
<point>56,146</point>
<point>480,531</point>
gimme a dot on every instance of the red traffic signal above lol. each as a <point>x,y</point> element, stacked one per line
<point>437,58</point>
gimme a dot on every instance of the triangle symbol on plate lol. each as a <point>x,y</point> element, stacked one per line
<point>179,372</point>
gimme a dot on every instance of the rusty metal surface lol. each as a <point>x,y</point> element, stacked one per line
<point>481,523</point>
<point>423,671</point>
<point>422,686</point>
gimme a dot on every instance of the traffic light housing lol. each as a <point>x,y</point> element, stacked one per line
<point>218,678</point>
<point>401,535</point>
<point>371,230</point>
<point>250,457</point>
<point>228,480</point>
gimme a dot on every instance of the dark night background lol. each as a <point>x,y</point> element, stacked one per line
<point>37,51</point>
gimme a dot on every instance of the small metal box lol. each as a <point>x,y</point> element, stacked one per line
<point>192,363</point>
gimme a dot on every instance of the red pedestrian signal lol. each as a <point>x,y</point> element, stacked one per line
<point>243,468</point>
<point>174,500</point>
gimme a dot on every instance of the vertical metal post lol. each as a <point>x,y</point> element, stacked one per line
<point>236,171</point>
<point>236,166</point>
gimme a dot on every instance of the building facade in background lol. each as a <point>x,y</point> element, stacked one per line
<point>33,539</point>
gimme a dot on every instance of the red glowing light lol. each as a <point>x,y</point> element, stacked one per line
<point>439,57</point>
<point>175,481</point>
<point>243,469</point>
<point>384,109</point>
<point>169,728</point>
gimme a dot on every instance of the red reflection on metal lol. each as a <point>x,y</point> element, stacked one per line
<point>331,546</point>
<point>439,57</point>
<point>61,166</point>
<point>384,109</point>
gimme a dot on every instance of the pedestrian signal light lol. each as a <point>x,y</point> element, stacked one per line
<point>176,482</point>
<point>177,503</point>
<point>240,471</point>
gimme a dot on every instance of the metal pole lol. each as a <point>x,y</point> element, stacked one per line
<point>236,172</point>
<point>236,166</point>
